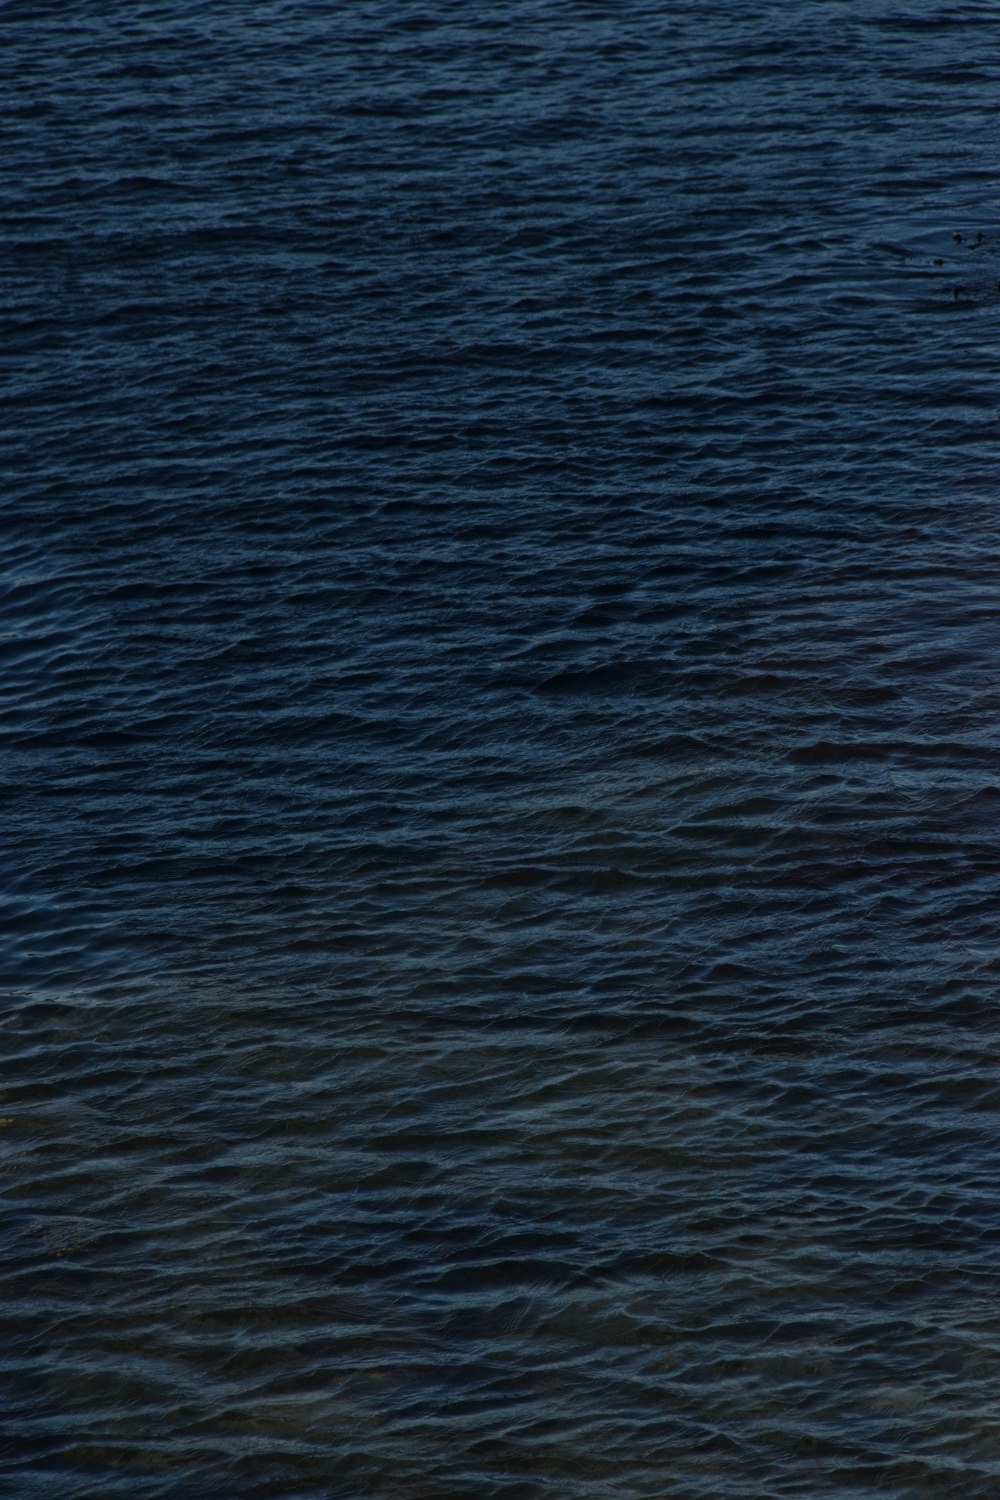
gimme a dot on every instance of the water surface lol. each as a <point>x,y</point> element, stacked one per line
<point>501,799</point>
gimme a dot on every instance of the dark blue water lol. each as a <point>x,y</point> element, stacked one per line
<point>500,750</point>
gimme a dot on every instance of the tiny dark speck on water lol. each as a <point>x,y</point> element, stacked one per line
<point>500,778</point>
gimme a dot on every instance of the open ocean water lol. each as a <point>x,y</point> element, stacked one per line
<point>500,750</point>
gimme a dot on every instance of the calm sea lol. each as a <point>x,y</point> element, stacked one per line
<point>500,750</point>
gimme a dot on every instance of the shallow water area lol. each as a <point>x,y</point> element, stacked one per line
<point>499,641</point>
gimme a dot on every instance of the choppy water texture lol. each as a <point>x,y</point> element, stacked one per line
<point>500,753</point>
